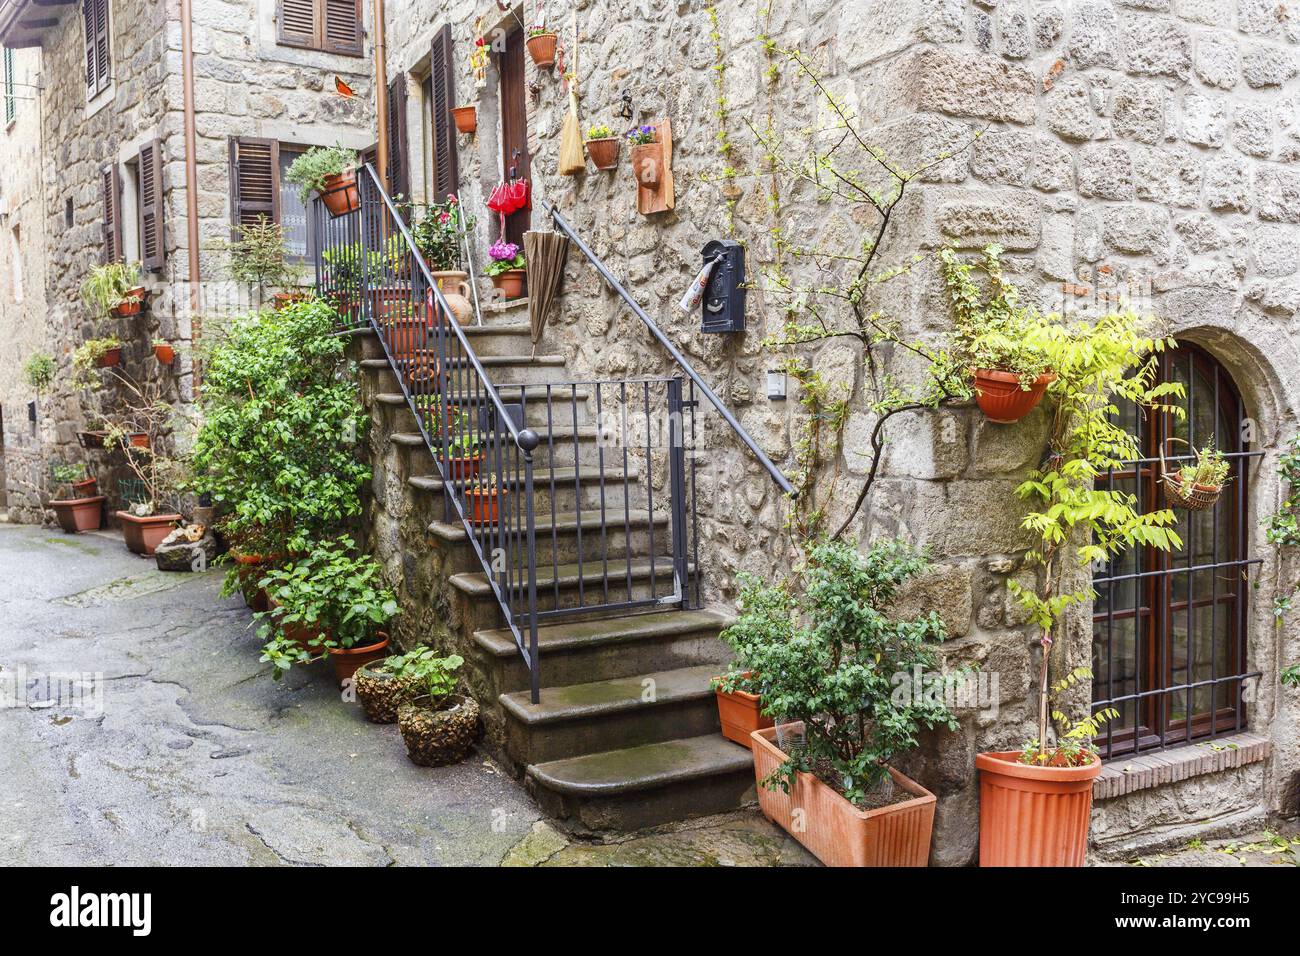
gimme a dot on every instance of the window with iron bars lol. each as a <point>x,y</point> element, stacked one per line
<point>1169,629</point>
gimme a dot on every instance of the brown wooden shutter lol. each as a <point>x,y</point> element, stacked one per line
<point>342,28</point>
<point>103,54</point>
<point>88,21</point>
<point>111,225</point>
<point>399,171</point>
<point>152,251</point>
<point>254,180</point>
<point>446,166</point>
<point>297,24</point>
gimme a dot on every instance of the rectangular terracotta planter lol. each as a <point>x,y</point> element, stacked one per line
<point>834,830</point>
<point>77,515</point>
<point>143,535</point>
<point>740,715</point>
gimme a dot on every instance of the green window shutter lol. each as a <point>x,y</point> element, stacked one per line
<point>9,85</point>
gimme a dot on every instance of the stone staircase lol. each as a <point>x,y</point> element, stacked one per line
<point>625,734</point>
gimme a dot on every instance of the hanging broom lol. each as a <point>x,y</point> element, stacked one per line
<point>572,158</point>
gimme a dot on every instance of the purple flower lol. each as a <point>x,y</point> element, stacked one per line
<point>503,251</point>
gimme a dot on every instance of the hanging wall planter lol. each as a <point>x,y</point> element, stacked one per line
<point>164,353</point>
<point>110,357</point>
<point>541,47</point>
<point>1001,397</point>
<point>130,305</point>
<point>1032,815</point>
<point>466,118</point>
<point>604,152</point>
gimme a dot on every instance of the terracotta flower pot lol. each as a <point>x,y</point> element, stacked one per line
<point>484,504</point>
<point>510,282</point>
<point>834,830</point>
<point>466,118</point>
<point>541,47</point>
<point>86,488</point>
<point>138,440</point>
<point>340,193</point>
<point>604,151</point>
<point>647,164</point>
<point>282,300</point>
<point>464,468</point>
<point>1002,399</point>
<point>381,693</point>
<point>78,515</point>
<point>251,568</point>
<point>346,660</point>
<point>408,338</point>
<point>91,439</point>
<point>740,715</point>
<point>126,309</point>
<point>306,636</point>
<point>165,354</point>
<point>437,737</point>
<point>454,286</point>
<point>110,357</point>
<point>1033,816</point>
<point>143,535</point>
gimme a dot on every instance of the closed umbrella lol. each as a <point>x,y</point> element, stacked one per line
<point>545,253</point>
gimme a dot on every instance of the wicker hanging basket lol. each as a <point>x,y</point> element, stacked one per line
<point>1193,498</point>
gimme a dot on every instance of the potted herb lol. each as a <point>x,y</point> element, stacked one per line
<point>484,499</point>
<point>507,268</point>
<point>163,352</point>
<point>1197,487</point>
<point>647,155</point>
<point>602,146</point>
<point>541,44</point>
<point>383,686</point>
<point>330,172</point>
<point>466,118</point>
<point>464,449</point>
<point>337,599</point>
<point>113,288</point>
<point>438,726</point>
<point>999,340</point>
<point>1034,802</point>
<point>77,505</point>
<point>824,653</point>
<point>38,371</point>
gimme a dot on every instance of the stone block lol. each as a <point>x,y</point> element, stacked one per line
<point>929,445</point>
<point>1106,171</point>
<point>975,219</point>
<point>1228,184</point>
<point>1217,61</point>
<point>1094,35</point>
<point>1171,177</point>
<point>1068,110</point>
<point>1004,156</point>
<point>1264,66</point>
<point>1138,112</point>
<point>1205,119</point>
<point>178,553</point>
<point>1155,46</point>
<point>1136,229</point>
<point>1014,36</point>
<point>945,590</point>
<point>961,83</point>
<point>963,517</point>
<point>1049,22</point>
<point>1274,250</point>
<point>1278,192</point>
<point>1252,129</point>
<point>1260,17</point>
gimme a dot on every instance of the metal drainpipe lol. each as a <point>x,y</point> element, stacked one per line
<point>191,171</point>
<point>381,96</point>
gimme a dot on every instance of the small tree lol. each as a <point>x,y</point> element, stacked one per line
<point>38,371</point>
<point>257,256</point>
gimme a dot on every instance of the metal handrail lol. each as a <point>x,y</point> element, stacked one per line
<point>777,475</point>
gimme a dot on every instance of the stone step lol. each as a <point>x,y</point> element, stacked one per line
<point>646,785</point>
<point>499,335</point>
<point>535,413</point>
<point>574,652</point>
<point>576,719</point>
<point>558,535</point>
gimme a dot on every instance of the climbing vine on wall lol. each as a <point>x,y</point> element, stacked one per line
<point>1283,530</point>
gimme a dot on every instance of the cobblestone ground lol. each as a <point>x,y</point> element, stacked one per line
<point>1276,847</point>
<point>194,756</point>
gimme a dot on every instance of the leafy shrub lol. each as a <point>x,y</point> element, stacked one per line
<point>310,170</point>
<point>38,371</point>
<point>822,649</point>
<point>437,231</point>
<point>436,676</point>
<point>278,446</point>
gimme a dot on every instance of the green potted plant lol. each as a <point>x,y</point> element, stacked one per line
<point>257,259</point>
<point>383,686</point>
<point>438,726</point>
<point>602,146</point>
<point>91,356</point>
<point>437,233</point>
<point>740,710</point>
<point>333,601</point>
<point>541,45</point>
<point>1099,365</point>
<point>113,288</point>
<point>77,505</point>
<point>823,651</point>
<point>464,448</point>
<point>998,339</point>
<point>38,371</point>
<point>330,172</point>
<point>507,268</point>
<point>647,155</point>
<point>1197,486</point>
<point>484,499</point>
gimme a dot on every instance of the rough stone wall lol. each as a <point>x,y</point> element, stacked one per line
<point>245,85</point>
<point>23,319</point>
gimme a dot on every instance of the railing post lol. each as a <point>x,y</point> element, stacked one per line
<point>528,442</point>
<point>677,489</point>
<point>366,213</point>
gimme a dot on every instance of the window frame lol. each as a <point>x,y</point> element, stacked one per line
<point>277,148</point>
<point>91,36</point>
<point>319,39</point>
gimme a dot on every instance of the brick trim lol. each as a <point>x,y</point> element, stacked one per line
<point>1131,774</point>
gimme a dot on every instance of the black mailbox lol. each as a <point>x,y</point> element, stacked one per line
<point>724,293</point>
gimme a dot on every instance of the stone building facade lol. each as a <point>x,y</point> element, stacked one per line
<point>1147,147</point>
<point>85,131</point>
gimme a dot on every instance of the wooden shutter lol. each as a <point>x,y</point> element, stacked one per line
<point>111,224</point>
<point>399,173</point>
<point>254,180</point>
<point>9,85</point>
<point>446,168</point>
<point>94,15</point>
<point>342,27</point>
<point>88,21</point>
<point>297,24</point>
<point>152,251</point>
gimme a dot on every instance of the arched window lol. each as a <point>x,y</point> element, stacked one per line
<point>1169,629</point>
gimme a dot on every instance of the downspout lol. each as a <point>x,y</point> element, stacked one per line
<point>381,95</point>
<point>191,166</point>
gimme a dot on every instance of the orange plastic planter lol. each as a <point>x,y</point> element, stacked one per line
<point>834,830</point>
<point>740,715</point>
<point>484,504</point>
<point>78,515</point>
<point>1002,399</point>
<point>143,535</point>
<point>1033,816</point>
